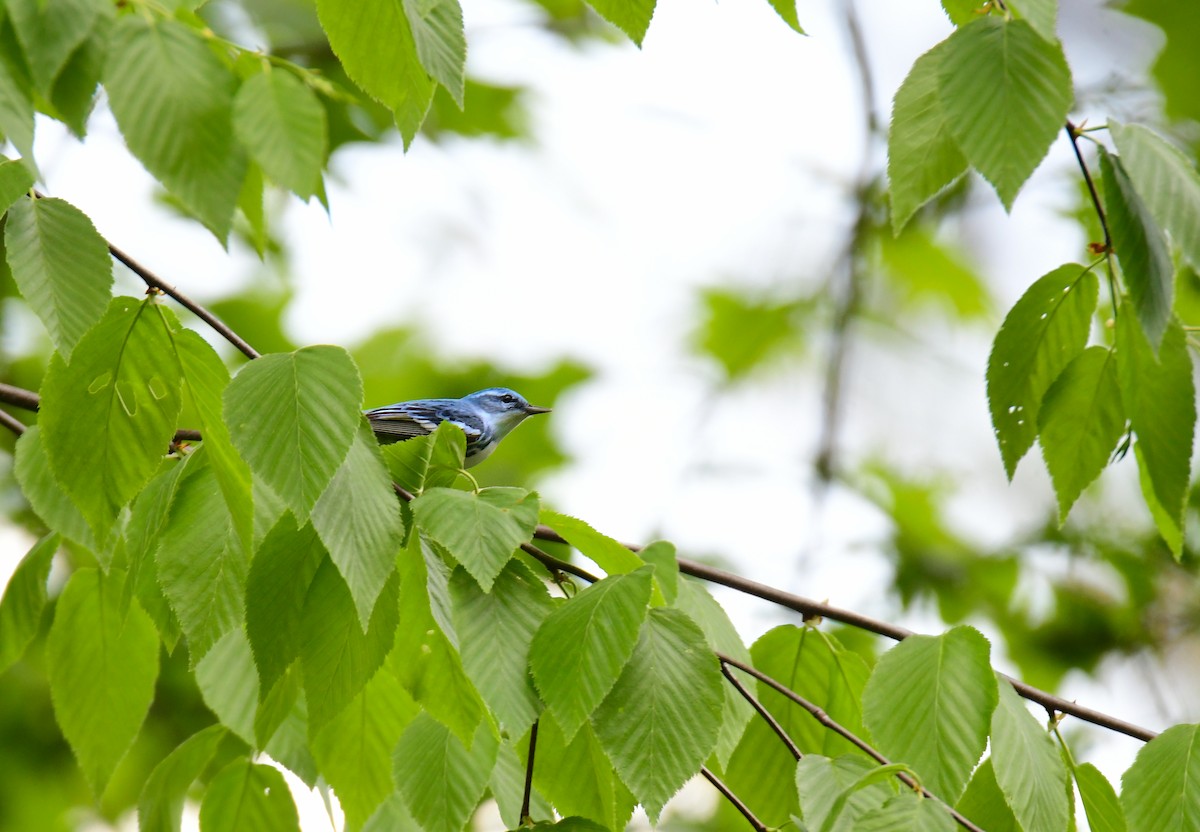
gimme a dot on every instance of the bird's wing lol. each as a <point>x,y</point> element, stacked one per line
<point>405,420</point>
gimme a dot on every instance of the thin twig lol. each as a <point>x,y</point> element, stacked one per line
<point>529,774</point>
<point>762,711</point>
<point>156,282</point>
<point>758,825</point>
<point>833,725</point>
<point>1073,134</point>
<point>555,564</point>
<point>12,423</point>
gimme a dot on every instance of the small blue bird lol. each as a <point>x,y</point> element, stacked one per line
<point>486,417</point>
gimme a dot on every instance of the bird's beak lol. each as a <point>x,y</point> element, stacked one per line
<point>533,411</point>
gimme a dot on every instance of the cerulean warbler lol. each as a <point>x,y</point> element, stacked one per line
<point>486,417</point>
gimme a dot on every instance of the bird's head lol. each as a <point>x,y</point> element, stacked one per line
<point>507,407</point>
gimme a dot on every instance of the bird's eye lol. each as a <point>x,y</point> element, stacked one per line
<point>508,399</point>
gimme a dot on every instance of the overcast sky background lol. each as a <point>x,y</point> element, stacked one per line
<point>718,154</point>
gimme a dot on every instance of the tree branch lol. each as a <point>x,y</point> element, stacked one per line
<point>762,711</point>
<point>815,609</point>
<point>758,825</point>
<point>528,794</point>
<point>827,721</point>
<point>12,423</point>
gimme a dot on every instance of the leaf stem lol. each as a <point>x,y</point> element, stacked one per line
<point>1073,133</point>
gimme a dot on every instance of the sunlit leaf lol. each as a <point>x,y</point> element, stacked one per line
<point>61,265</point>
<point>1161,790</point>
<point>1005,92</point>
<point>660,720</point>
<point>495,630</point>
<point>1042,15</point>
<point>1080,422</point>
<point>293,417</point>
<point>229,684</point>
<point>23,601</point>
<point>1028,767</point>
<point>923,157</point>
<point>108,417</point>
<point>907,812</point>
<point>173,100</point>
<point>1141,248</point>
<point>45,495</point>
<point>49,31</point>
<point>581,648</point>
<point>613,557</point>
<point>633,16</point>
<point>481,530</point>
<point>101,666</point>
<point>1041,335</point>
<point>437,30</point>
<point>441,778</point>
<point>247,795</point>
<point>929,704</point>
<point>827,785</point>
<point>1100,802</point>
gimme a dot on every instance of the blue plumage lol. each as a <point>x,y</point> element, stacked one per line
<point>486,417</point>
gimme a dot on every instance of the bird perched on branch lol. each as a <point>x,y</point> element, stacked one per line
<point>486,417</point>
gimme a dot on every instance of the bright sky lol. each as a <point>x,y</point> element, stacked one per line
<point>717,154</point>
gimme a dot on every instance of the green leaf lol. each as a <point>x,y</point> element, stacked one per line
<point>374,41</point>
<point>507,784</point>
<point>923,157</point>
<point>437,30</point>
<point>293,416</point>
<point>1100,802</point>
<point>495,630</point>
<point>907,812</point>
<point>1028,767</point>
<point>229,684</point>
<point>338,657</point>
<point>16,114</point>
<point>173,100</point>
<point>571,824</point>
<point>23,601</point>
<point>660,720</point>
<point>787,10</point>
<point>1080,422</point>
<point>924,269</point>
<point>289,741</point>
<point>354,750</point>
<point>828,797</point>
<point>962,12</point>
<point>814,665</point>
<point>984,803</point>
<point>201,564</point>
<point>124,387</point>
<point>722,637</point>
<point>633,16</point>
<point>661,555</point>
<point>441,779</point>
<point>359,521</point>
<point>49,31</point>
<point>101,666</point>
<point>611,556</point>
<point>74,93</point>
<point>482,531</point>
<point>280,574</point>
<point>425,659</point>
<point>1141,248</point>
<point>247,795</point>
<point>744,331</point>
<point>1161,790</point>
<point>282,124</point>
<point>160,806</point>
<point>15,181</point>
<point>929,703</point>
<point>61,265</point>
<point>45,495</point>
<point>1042,15</point>
<point>1159,397</point>
<point>204,381</point>
<point>577,776</point>
<point>431,461</point>
<point>1040,336</point>
<point>1167,182</point>
<point>1005,92</point>
<point>581,648</point>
